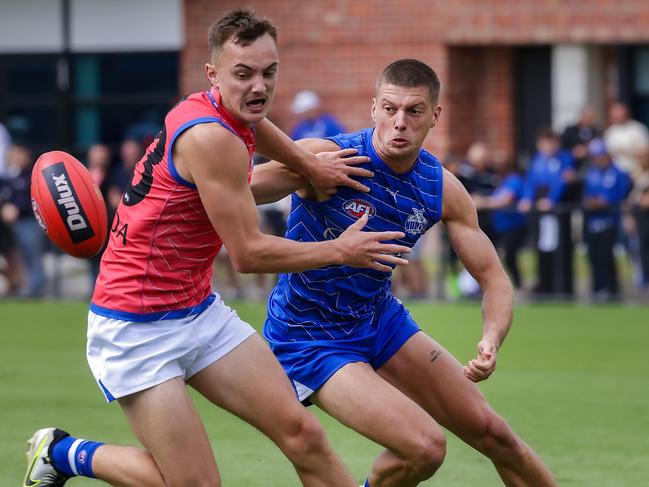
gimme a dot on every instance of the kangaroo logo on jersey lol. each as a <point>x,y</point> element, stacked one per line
<point>416,223</point>
<point>357,207</point>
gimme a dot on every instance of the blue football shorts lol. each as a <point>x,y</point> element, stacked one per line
<point>310,362</point>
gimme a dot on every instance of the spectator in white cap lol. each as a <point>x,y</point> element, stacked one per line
<point>314,122</point>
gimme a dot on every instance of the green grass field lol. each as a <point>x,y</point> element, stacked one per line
<point>573,381</point>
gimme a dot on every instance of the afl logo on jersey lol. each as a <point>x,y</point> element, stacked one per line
<point>357,207</point>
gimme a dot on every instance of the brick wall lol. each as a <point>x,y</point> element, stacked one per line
<point>478,98</point>
<point>337,47</point>
<point>545,21</point>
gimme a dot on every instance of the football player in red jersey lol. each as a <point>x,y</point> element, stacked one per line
<point>155,326</point>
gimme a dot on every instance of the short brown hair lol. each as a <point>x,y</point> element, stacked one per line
<point>243,25</point>
<point>546,133</point>
<point>410,73</point>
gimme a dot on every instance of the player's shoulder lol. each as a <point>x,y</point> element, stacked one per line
<point>209,144</point>
<point>316,145</point>
<point>360,138</point>
<point>356,140</point>
<point>186,107</point>
<point>213,134</point>
<point>456,201</point>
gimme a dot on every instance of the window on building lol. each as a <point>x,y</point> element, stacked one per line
<point>100,98</point>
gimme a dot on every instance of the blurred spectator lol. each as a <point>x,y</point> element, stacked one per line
<point>146,129</point>
<point>625,139</point>
<point>130,152</point>
<point>5,142</point>
<point>9,257</point>
<point>314,121</point>
<point>639,200</point>
<point>476,174</point>
<point>605,188</point>
<point>509,226</point>
<point>575,139</point>
<point>99,159</point>
<point>10,266</point>
<point>17,213</point>
<point>543,190</point>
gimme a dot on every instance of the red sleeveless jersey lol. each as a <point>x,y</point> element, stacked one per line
<point>158,262</point>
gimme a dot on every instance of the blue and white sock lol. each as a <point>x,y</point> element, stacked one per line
<point>367,483</point>
<point>73,456</point>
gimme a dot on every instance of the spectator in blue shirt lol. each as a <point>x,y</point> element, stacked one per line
<point>575,138</point>
<point>545,183</point>
<point>548,171</point>
<point>606,187</point>
<point>314,122</point>
<point>508,225</point>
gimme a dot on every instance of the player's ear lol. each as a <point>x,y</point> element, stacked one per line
<point>373,110</point>
<point>437,112</point>
<point>210,71</point>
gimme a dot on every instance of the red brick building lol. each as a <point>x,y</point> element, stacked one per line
<point>506,66</point>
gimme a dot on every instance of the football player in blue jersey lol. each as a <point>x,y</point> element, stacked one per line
<point>350,346</point>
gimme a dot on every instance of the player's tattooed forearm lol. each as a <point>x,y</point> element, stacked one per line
<point>434,354</point>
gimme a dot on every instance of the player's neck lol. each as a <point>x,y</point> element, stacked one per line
<point>228,111</point>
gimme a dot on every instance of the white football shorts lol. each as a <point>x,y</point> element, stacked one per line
<point>127,357</point>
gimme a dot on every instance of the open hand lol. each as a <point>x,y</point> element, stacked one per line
<point>366,249</point>
<point>333,169</point>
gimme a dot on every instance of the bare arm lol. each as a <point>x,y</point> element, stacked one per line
<point>273,180</point>
<point>222,181</point>
<point>325,175</point>
<point>479,257</point>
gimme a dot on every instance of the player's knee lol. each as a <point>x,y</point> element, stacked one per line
<point>304,437</point>
<point>426,455</point>
<point>498,439</point>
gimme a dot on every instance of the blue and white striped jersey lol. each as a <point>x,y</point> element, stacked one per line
<point>333,302</point>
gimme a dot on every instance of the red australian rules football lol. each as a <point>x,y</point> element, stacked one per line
<point>68,204</point>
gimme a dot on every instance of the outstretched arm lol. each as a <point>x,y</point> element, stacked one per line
<point>325,174</point>
<point>479,257</point>
<point>273,180</point>
<point>221,177</point>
